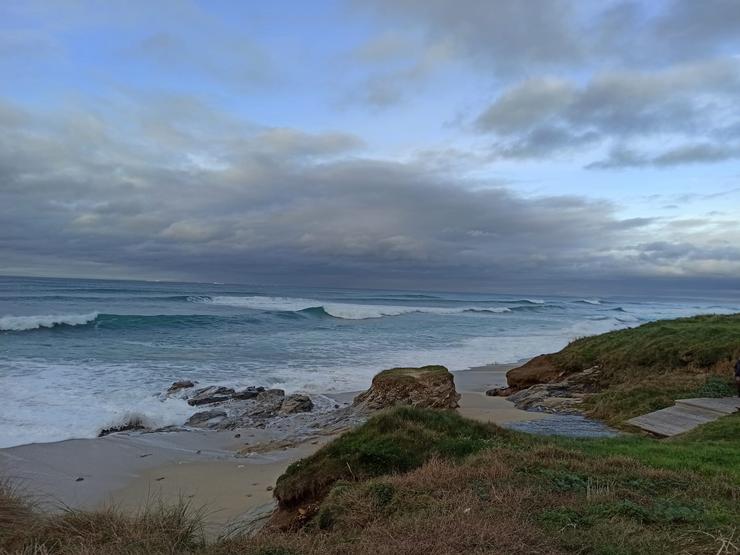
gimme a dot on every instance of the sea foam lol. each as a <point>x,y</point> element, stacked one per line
<point>345,311</point>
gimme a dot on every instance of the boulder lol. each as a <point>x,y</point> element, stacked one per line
<point>426,387</point>
<point>248,393</point>
<point>266,404</point>
<point>181,384</point>
<point>500,391</point>
<point>210,395</point>
<point>206,419</point>
<point>540,369</point>
<point>296,403</point>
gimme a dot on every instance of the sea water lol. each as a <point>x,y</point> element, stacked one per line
<point>80,355</point>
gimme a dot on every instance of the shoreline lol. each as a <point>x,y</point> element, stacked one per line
<point>130,469</point>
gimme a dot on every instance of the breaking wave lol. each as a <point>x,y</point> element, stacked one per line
<point>344,311</point>
<point>24,323</point>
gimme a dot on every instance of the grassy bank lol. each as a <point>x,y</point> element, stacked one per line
<point>419,481</point>
<point>648,367</point>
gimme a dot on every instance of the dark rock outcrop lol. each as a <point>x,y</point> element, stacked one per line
<point>133,423</point>
<point>210,395</point>
<point>425,387</point>
<point>179,385</point>
<point>562,397</point>
<point>296,403</point>
<point>206,419</point>
<point>540,369</point>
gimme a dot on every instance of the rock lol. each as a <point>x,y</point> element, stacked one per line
<point>296,403</point>
<point>248,393</point>
<point>563,397</point>
<point>539,370</point>
<point>206,419</point>
<point>500,391</point>
<point>428,386</point>
<point>181,384</point>
<point>210,395</point>
<point>131,424</point>
<point>266,404</point>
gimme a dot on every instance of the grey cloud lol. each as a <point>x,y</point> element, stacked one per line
<point>541,117</point>
<point>282,203</point>
<point>493,32</point>
<point>623,157</point>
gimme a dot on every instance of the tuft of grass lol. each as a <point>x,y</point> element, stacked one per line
<point>157,528</point>
<point>394,441</point>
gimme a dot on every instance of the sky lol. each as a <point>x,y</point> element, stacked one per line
<point>549,145</point>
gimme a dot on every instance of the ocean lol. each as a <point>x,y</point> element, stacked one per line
<point>80,355</point>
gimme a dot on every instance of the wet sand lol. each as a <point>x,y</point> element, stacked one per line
<point>202,467</point>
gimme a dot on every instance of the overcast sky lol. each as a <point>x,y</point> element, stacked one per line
<point>458,144</point>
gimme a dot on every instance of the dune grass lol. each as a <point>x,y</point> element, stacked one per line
<point>648,367</point>
<point>427,481</point>
<point>392,442</point>
<point>526,494</point>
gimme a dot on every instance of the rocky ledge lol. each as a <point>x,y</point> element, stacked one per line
<point>229,408</point>
<point>426,387</point>
<point>540,386</point>
<point>297,416</point>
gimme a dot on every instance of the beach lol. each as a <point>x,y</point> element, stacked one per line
<point>229,475</point>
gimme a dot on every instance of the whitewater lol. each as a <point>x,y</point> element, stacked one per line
<point>80,355</point>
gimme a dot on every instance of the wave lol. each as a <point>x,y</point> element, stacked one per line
<point>589,301</point>
<point>344,311</point>
<point>25,323</point>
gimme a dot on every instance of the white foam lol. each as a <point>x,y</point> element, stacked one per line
<point>45,402</point>
<point>22,323</point>
<point>591,301</point>
<point>346,311</point>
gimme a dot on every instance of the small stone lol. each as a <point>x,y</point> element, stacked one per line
<point>80,479</point>
<point>237,435</point>
<point>160,478</point>
<point>269,488</point>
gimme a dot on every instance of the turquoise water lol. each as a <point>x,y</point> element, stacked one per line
<point>78,355</point>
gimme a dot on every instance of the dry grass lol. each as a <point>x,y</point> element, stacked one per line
<point>157,528</point>
<point>516,495</point>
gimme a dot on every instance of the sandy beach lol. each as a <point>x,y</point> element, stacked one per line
<point>129,470</point>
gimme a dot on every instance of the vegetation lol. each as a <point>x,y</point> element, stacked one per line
<point>432,482</point>
<point>391,442</point>
<point>649,367</point>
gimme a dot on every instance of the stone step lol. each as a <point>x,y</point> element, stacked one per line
<point>685,415</point>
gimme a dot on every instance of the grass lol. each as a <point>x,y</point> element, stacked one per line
<point>157,528</point>
<point>648,367</point>
<point>427,481</point>
<point>527,494</point>
<point>392,442</point>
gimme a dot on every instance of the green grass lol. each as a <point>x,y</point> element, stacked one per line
<point>647,368</point>
<point>526,494</point>
<point>712,450</point>
<point>697,342</point>
<point>393,441</point>
<point>421,481</point>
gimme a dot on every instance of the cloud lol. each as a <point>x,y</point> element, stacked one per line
<point>285,204</point>
<point>546,116</point>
